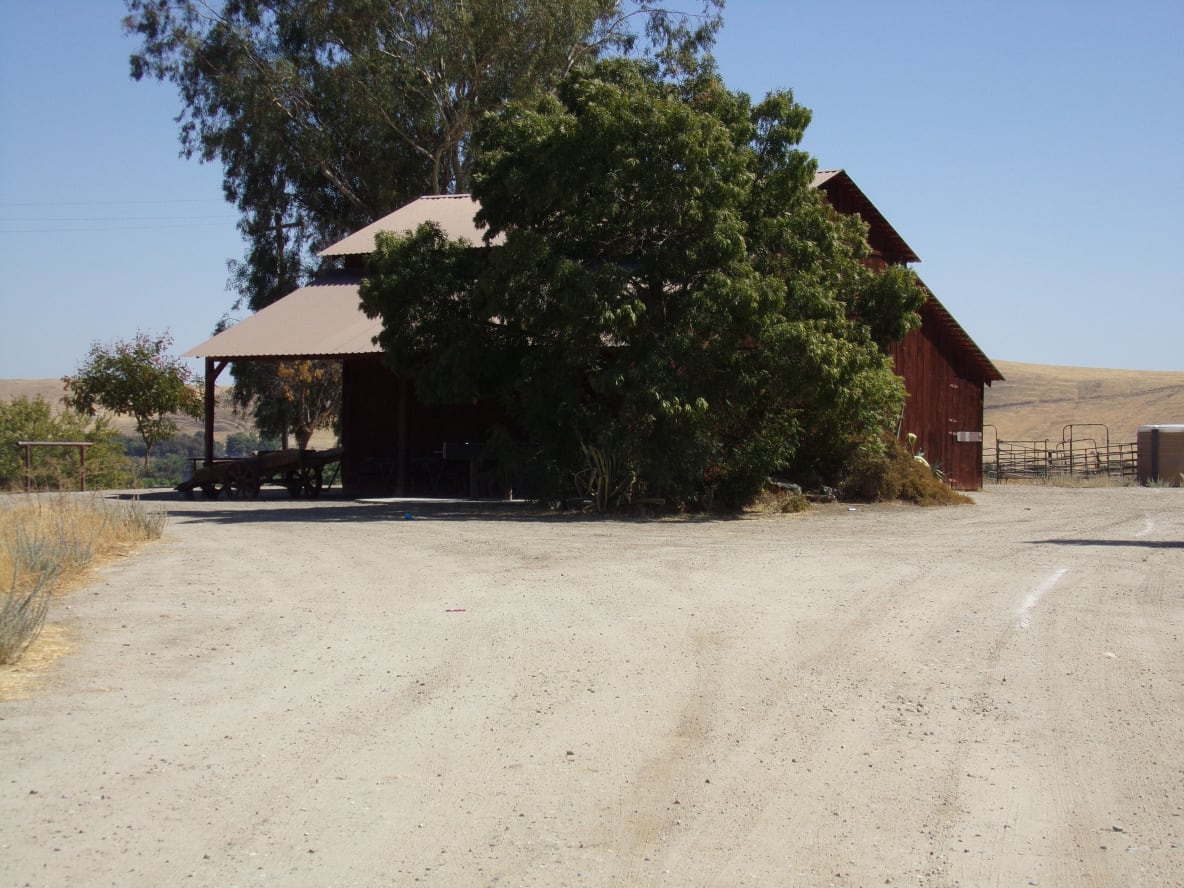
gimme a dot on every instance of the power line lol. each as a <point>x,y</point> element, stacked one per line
<point>94,229</point>
<point>101,203</point>
<point>114,218</point>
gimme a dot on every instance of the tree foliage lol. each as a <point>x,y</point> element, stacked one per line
<point>138,379</point>
<point>673,304</point>
<point>56,468</point>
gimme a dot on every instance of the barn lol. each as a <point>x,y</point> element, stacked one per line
<point>945,373</point>
<point>394,444</point>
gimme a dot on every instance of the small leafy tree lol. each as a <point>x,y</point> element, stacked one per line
<point>298,396</point>
<point>138,379</point>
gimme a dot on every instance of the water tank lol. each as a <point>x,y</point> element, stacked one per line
<point>1161,453</point>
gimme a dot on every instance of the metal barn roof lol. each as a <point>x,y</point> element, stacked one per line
<point>452,212</point>
<point>321,320</point>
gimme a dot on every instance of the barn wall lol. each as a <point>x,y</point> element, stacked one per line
<point>378,410</point>
<point>941,402</point>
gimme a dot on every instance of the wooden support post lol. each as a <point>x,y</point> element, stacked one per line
<point>401,444</point>
<point>29,445</point>
<point>213,368</point>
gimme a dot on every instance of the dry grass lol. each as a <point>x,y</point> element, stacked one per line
<point>897,475</point>
<point>1061,480</point>
<point>46,543</point>
<point>773,501</point>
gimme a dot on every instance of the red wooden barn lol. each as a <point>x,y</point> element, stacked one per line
<point>944,372</point>
<point>392,442</point>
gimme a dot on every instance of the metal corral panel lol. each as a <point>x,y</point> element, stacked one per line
<point>1161,453</point>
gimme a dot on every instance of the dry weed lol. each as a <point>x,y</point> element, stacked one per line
<point>49,540</point>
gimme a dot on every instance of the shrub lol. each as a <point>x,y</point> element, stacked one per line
<point>896,475</point>
<point>773,499</point>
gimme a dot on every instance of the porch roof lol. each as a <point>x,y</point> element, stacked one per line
<point>322,320</point>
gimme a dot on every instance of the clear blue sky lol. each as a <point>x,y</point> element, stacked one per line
<point>1031,153</point>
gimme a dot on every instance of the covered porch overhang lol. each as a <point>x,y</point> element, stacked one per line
<point>322,321</point>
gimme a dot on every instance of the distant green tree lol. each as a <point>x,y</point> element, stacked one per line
<point>241,444</point>
<point>674,313</point>
<point>138,379</point>
<point>54,468</point>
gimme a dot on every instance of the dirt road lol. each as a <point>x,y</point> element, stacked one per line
<point>330,694</point>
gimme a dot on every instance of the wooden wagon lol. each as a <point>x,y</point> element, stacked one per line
<point>302,472</point>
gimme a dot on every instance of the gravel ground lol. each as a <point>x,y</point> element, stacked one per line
<point>330,694</point>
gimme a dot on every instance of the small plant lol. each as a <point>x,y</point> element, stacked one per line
<point>605,479</point>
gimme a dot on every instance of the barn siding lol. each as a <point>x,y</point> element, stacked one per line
<point>942,400</point>
<point>378,409</point>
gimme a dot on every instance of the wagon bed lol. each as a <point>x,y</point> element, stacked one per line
<point>300,471</point>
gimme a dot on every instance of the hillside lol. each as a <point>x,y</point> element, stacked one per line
<point>1037,401</point>
<point>225,423</point>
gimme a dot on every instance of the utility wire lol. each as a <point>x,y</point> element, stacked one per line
<point>94,229</point>
<point>100,203</point>
<point>112,219</point>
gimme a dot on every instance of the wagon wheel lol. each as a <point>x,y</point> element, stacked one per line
<point>312,482</point>
<point>242,482</point>
<point>292,482</point>
<point>305,481</point>
<point>210,490</point>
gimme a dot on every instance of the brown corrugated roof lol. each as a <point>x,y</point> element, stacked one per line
<point>452,212</point>
<point>321,320</point>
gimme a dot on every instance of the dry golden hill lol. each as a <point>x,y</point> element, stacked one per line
<point>1037,401</point>
<point>226,422</point>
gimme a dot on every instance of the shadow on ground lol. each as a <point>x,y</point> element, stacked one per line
<point>1143,544</point>
<point>333,506</point>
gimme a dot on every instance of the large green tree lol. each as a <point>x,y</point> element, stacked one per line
<point>140,379</point>
<point>674,313</point>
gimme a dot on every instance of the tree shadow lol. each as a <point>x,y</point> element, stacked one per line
<point>275,506</point>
